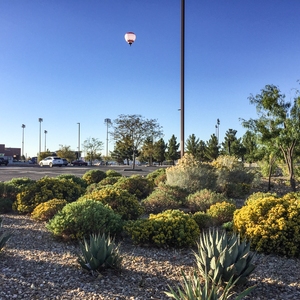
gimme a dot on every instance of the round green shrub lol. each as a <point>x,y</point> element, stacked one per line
<point>93,176</point>
<point>121,201</point>
<point>152,176</point>
<point>46,210</point>
<point>113,173</point>
<point>221,212</point>
<point>203,220</point>
<point>172,228</point>
<point>5,205</point>
<point>21,183</point>
<point>109,180</point>
<point>272,224</point>
<point>177,192</point>
<point>203,199</point>
<point>74,178</point>
<point>46,189</point>
<point>159,201</point>
<point>9,190</point>
<point>160,179</point>
<point>139,186</point>
<point>82,218</point>
<point>259,195</point>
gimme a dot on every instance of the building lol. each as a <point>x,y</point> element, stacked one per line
<point>12,154</point>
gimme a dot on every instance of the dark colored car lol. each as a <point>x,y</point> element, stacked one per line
<point>79,162</point>
<point>65,162</point>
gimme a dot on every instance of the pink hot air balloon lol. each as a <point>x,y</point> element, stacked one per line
<point>130,37</point>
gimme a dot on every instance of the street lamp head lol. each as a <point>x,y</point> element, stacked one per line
<point>40,120</point>
<point>23,126</point>
<point>130,38</point>
<point>45,131</point>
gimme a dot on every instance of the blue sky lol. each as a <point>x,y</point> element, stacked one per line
<point>66,61</point>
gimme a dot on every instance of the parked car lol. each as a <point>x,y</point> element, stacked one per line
<point>79,162</point>
<point>52,161</point>
<point>65,162</point>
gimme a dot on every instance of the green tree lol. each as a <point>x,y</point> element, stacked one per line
<point>137,128</point>
<point>230,137</point>
<point>202,151</point>
<point>91,147</point>
<point>192,146</point>
<point>147,151</point>
<point>250,144</point>
<point>66,152</point>
<point>172,153</point>
<point>122,150</point>
<point>160,148</point>
<point>212,148</point>
<point>278,123</point>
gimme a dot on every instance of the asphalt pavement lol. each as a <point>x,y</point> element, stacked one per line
<point>36,172</point>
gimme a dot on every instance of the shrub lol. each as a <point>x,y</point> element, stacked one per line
<point>121,201</point>
<point>21,183</point>
<point>233,255</point>
<point>93,176</point>
<point>221,212</point>
<point>113,173</point>
<point>160,179</point>
<point>74,178</point>
<point>272,224</point>
<point>202,219</point>
<point>5,205</point>
<point>99,253</point>
<point>259,195</point>
<point>46,210</point>
<point>203,199</point>
<point>46,189</point>
<point>8,190</point>
<point>139,186</point>
<point>159,201</point>
<point>177,192</point>
<point>191,175</point>
<point>171,228</point>
<point>152,176</point>
<point>233,178</point>
<point>109,181</point>
<point>82,218</point>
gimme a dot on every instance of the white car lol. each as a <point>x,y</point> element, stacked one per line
<point>51,161</point>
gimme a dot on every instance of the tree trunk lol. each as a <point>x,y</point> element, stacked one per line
<point>288,157</point>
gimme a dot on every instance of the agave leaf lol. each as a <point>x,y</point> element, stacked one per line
<point>240,265</point>
<point>233,251</point>
<point>246,292</point>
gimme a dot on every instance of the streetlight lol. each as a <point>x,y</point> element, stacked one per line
<point>182,79</point>
<point>45,131</point>
<point>23,126</point>
<point>108,122</point>
<point>218,128</point>
<point>78,156</point>
<point>40,120</point>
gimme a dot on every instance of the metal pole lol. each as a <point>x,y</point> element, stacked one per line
<point>182,78</point>
<point>23,126</point>
<point>45,139</point>
<point>40,143</point>
<point>108,122</point>
<point>78,140</point>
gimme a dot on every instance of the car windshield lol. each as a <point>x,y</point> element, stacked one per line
<point>56,157</point>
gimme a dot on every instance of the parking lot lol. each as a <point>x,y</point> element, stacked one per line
<point>36,172</point>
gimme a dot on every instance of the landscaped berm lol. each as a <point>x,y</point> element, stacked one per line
<point>191,231</point>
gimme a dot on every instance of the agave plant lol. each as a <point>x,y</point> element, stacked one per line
<point>193,289</point>
<point>98,253</point>
<point>224,256</point>
<point>4,237</point>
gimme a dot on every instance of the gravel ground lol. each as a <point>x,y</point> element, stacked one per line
<point>35,266</point>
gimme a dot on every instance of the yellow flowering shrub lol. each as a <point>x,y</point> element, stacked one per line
<point>221,212</point>
<point>121,201</point>
<point>271,223</point>
<point>46,210</point>
<point>172,228</point>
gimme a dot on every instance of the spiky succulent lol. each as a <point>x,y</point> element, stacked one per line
<point>4,237</point>
<point>224,256</point>
<point>98,253</point>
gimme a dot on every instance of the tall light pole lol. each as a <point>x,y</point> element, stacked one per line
<point>23,126</point>
<point>108,123</point>
<point>218,128</point>
<point>78,156</point>
<point>182,79</point>
<point>45,131</point>
<point>40,142</point>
